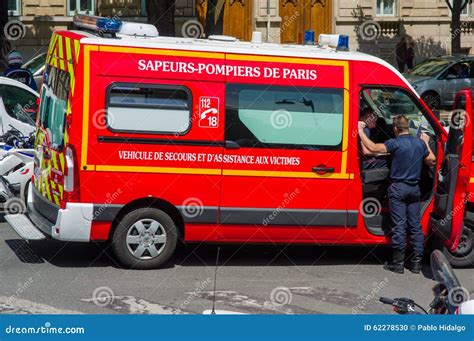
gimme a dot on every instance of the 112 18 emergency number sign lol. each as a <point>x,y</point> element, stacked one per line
<point>208,112</point>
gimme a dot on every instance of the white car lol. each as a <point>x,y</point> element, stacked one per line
<point>18,106</point>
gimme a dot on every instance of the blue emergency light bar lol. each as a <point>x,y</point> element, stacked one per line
<point>309,37</point>
<point>343,43</point>
<point>100,25</point>
<point>340,42</point>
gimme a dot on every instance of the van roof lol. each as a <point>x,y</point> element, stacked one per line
<point>236,47</point>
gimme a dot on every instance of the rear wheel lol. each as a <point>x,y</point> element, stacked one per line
<point>144,238</point>
<point>431,99</point>
<point>463,256</point>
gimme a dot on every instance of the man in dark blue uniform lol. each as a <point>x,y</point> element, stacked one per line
<point>407,153</point>
<point>15,71</point>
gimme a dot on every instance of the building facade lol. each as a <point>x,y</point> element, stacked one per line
<point>374,26</point>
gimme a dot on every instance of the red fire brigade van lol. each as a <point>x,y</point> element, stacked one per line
<point>143,141</point>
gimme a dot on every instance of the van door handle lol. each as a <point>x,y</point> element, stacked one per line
<point>231,145</point>
<point>322,169</point>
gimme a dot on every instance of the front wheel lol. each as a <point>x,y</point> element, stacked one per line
<point>144,238</point>
<point>431,99</point>
<point>463,256</point>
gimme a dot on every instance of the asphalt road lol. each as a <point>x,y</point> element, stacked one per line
<point>53,277</point>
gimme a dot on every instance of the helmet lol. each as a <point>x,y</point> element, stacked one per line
<point>465,308</point>
<point>15,57</point>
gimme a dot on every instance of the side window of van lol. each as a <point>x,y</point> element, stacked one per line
<point>149,109</point>
<point>284,117</point>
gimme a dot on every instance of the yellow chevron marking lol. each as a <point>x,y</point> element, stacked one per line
<point>61,161</point>
<point>77,48</point>
<point>54,159</point>
<point>61,54</point>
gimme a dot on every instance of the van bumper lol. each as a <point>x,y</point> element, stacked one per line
<point>70,224</point>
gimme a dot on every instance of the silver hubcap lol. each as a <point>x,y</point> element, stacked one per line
<point>146,239</point>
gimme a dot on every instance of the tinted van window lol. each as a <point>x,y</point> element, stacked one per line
<point>284,117</point>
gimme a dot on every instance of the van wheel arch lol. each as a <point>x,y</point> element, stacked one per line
<point>151,202</point>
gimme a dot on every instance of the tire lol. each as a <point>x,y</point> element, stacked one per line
<point>144,238</point>
<point>463,257</point>
<point>431,99</point>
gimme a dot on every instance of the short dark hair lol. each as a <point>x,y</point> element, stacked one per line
<point>400,122</point>
<point>366,112</point>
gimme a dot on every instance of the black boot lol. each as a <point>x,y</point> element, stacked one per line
<point>397,264</point>
<point>416,264</point>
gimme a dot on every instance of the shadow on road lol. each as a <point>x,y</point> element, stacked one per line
<point>80,255</point>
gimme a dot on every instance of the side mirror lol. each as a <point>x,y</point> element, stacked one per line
<point>451,76</point>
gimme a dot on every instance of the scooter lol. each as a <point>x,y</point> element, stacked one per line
<point>16,169</point>
<point>449,296</point>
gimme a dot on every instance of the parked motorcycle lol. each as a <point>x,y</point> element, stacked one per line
<point>16,169</point>
<point>449,296</point>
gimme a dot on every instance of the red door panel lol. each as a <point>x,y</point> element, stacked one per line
<point>453,185</point>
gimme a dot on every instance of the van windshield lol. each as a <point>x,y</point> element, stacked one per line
<point>53,108</point>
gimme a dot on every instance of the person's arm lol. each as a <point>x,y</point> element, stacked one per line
<point>430,159</point>
<point>373,148</point>
<point>364,150</point>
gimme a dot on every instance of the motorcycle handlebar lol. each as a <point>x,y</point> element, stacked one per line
<point>386,300</point>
